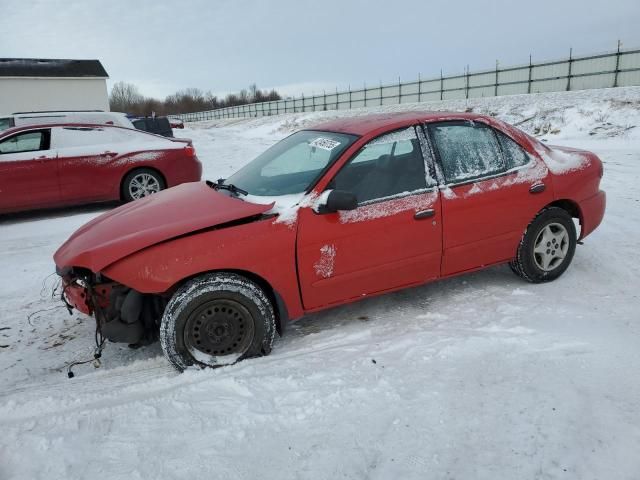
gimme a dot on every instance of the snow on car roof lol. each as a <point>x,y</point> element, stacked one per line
<point>35,126</point>
<point>365,124</point>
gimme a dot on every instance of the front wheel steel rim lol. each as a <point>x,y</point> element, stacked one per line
<point>551,247</point>
<point>142,185</point>
<point>218,328</point>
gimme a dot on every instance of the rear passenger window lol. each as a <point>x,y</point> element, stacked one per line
<point>466,151</point>
<point>514,154</point>
<point>140,124</point>
<point>66,137</point>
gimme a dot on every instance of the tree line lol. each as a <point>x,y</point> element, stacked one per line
<point>125,97</point>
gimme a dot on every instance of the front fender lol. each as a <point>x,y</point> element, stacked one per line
<point>265,248</point>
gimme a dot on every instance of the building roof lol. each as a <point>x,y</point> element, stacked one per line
<point>48,67</point>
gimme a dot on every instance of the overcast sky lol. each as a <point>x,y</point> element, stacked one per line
<point>305,46</point>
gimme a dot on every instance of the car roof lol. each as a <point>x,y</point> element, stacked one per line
<point>68,113</point>
<point>373,123</point>
<point>36,126</point>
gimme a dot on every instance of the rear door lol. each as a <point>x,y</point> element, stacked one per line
<point>28,171</point>
<point>85,155</point>
<point>488,199</point>
<point>392,239</point>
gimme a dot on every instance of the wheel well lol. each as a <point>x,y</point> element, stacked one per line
<point>570,207</point>
<point>139,168</point>
<point>279,307</point>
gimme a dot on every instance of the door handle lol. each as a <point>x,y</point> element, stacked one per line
<point>424,214</point>
<point>537,188</point>
<point>109,154</point>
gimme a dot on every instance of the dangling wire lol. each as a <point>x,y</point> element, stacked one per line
<point>33,314</point>
<point>99,338</point>
<point>44,287</point>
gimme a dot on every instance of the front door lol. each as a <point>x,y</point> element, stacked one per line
<point>28,171</point>
<point>392,239</point>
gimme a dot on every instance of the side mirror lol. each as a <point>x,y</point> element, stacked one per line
<point>337,200</point>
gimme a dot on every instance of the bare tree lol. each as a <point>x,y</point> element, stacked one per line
<point>124,97</point>
<point>254,93</point>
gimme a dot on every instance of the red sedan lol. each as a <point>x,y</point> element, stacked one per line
<point>64,164</point>
<point>349,209</point>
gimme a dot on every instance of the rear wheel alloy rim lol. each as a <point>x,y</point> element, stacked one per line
<point>551,247</point>
<point>142,185</point>
<point>217,329</point>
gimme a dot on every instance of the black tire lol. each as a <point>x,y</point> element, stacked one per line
<point>128,184</point>
<point>529,264</point>
<point>215,320</point>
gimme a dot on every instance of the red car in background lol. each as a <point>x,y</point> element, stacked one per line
<point>349,209</point>
<point>54,165</point>
<point>176,123</point>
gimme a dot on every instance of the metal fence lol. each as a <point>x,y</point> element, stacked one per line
<point>614,69</point>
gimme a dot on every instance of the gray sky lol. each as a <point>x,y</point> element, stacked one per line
<point>305,46</point>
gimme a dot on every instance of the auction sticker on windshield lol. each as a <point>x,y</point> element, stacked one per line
<point>324,143</point>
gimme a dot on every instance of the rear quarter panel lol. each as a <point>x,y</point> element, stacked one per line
<point>576,177</point>
<point>577,183</point>
<point>173,164</point>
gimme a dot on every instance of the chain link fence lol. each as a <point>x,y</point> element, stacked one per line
<point>614,69</point>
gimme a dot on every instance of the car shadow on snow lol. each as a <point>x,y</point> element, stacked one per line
<point>457,304</point>
<point>453,300</point>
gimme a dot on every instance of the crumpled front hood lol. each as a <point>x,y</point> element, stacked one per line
<point>171,213</point>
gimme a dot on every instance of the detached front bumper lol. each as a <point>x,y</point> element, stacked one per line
<point>76,296</point>
<point>83,298</point>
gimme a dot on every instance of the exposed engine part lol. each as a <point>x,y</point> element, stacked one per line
<point>122,314</point>
<point>132,317</point>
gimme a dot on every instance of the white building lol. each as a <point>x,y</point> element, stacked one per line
<point>29,85</point>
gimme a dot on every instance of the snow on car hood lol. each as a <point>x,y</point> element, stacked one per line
<point>171,213</point>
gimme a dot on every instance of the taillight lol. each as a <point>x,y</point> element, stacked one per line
<point>190,151</point>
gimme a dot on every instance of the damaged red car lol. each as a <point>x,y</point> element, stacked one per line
<point>349,209</point>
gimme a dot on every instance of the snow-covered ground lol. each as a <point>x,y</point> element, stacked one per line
<point>478,377</point>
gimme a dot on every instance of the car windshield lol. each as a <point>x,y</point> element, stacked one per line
<point>291,165</point>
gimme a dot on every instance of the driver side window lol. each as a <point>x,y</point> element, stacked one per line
<point>389,165</point>
<point>31,141</point>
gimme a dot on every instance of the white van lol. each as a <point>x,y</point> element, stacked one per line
<point>38,118</point>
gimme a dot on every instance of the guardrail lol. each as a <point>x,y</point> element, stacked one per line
<point>613,69</point>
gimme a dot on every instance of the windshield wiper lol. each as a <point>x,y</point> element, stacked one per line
<point>220,185</point>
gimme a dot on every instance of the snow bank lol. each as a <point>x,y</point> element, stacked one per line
<point>601,113</point>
